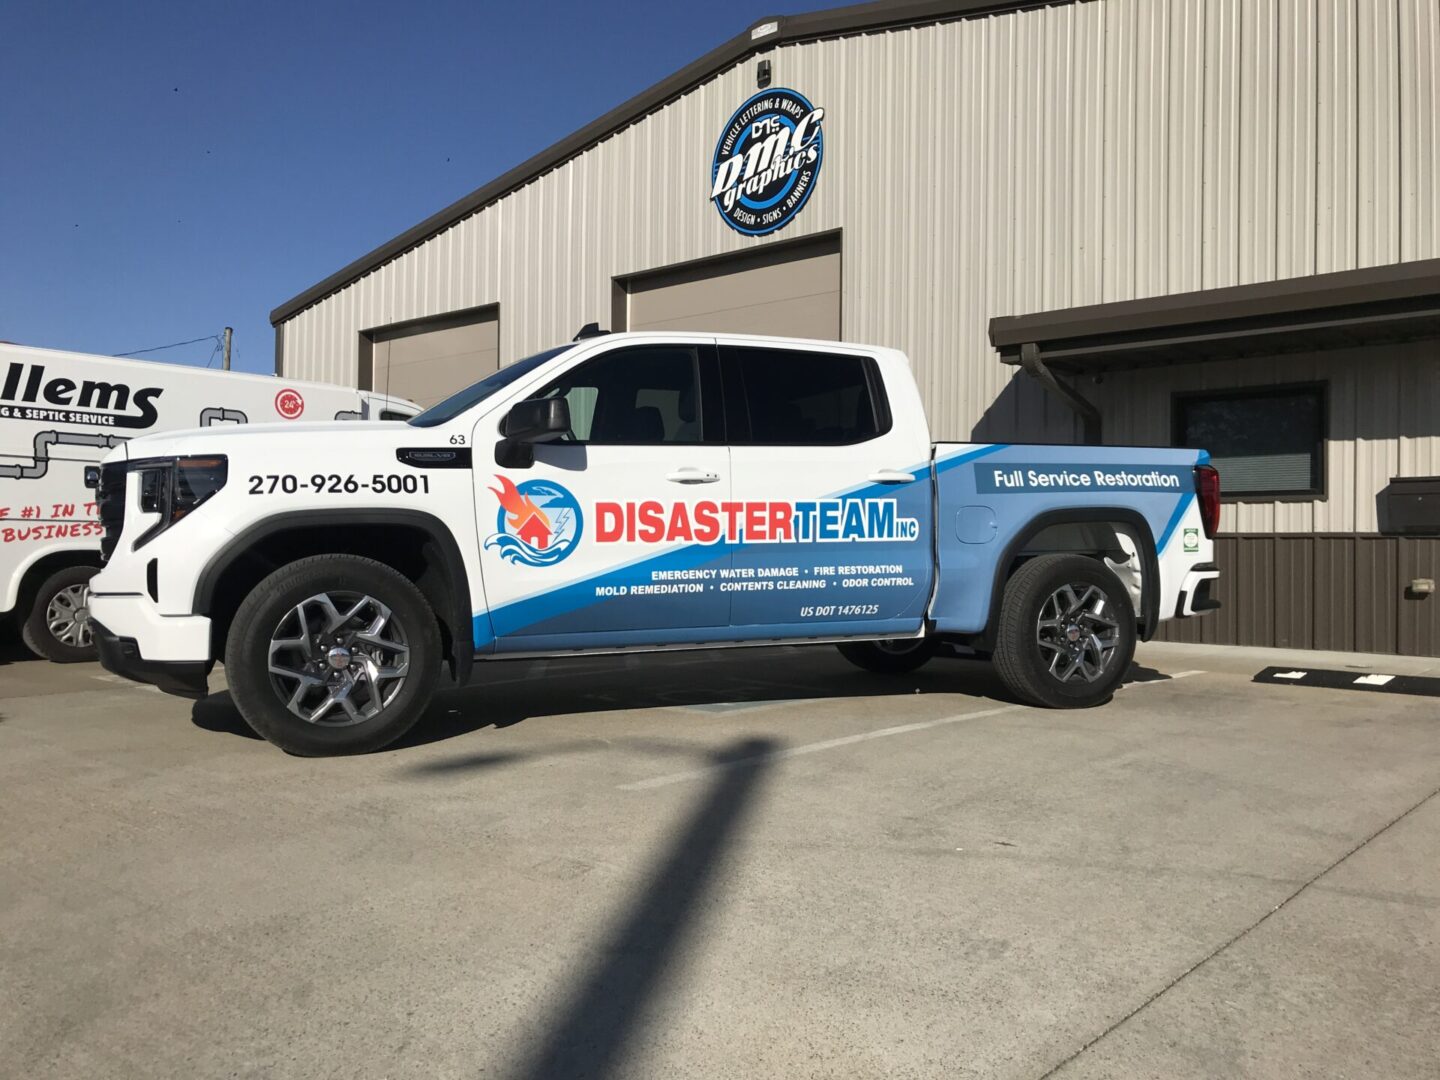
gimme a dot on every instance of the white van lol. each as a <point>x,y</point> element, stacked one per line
<point>61,412</point>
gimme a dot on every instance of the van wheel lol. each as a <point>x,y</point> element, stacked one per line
<point>58,626</point>
<point>897,656</point>
<point>334,654</point>
<point>1066,634</point>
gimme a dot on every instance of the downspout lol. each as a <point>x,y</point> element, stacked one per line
<point>1033,365</point>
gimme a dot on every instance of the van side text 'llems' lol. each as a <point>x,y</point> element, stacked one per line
<point>26,394</point>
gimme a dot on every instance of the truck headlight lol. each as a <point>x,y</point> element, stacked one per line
<point>174,487</point>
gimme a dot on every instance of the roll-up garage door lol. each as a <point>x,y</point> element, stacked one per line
<point>791,291</point>
<point>428,360</point>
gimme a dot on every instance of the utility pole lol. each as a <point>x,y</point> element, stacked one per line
<point>228,334</point>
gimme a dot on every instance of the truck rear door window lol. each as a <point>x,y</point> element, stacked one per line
<point>789,397</point>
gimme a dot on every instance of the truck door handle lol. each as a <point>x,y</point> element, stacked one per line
<point>891,476</point>
<point>690,475</point>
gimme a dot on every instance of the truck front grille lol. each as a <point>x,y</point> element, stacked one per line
<point>110,503</point>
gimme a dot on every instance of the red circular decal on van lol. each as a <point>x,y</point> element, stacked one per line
<point>289,404</point>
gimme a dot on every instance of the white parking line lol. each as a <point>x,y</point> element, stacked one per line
<point>850,740</point>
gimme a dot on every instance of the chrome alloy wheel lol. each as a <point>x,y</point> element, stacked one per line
<point>68,616</point>
<point>1077,633</point>
<point>338,658</point>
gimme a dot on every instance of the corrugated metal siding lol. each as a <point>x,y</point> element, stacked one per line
<point>1384,410</point>
<point>1065,155</point>
<point>1347,593</point>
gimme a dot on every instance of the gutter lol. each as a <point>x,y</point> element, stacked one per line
<point>1032,362</point>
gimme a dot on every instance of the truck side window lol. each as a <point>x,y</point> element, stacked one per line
<point>796,398</point>
<point>649,395</point>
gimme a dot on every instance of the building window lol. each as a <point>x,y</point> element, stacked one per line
<point>1266,443</point>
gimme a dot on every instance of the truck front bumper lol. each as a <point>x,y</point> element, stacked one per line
<point>171,653</point>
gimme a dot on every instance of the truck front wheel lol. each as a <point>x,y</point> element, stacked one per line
<point>333,654</point>
<point>1067,632</point>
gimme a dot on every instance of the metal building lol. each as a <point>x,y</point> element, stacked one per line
<point>1156,221</point>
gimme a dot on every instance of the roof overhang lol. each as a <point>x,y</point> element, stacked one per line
<point>1398,302</point>
<point>761,36</point>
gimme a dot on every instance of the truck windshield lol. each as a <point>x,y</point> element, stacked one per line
<point>475,393</point>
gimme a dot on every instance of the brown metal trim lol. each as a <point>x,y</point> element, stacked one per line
<point>425,323</point>
<point>1347,288</point>
<point>836,22</point>
<point>279,350</point>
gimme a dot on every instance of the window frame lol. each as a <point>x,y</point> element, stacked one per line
<point>737,402</point>
<point>709,408</point>
<point>1321,452</point>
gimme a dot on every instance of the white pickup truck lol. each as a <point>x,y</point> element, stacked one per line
<point>634,492</point>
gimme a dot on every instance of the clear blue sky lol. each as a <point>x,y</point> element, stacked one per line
<point>168,169</point>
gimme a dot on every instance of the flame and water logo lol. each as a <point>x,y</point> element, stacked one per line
<point>539,522</point>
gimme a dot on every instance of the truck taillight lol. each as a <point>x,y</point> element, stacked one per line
<point>1207,490</point>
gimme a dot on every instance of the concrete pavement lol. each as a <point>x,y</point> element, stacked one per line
<point>743,864</point>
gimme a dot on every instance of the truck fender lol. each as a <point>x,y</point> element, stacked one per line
<point>1144,539</point>
<point>454,610</point>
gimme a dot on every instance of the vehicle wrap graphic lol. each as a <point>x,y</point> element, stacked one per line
<point>539,523</point>
<point>27,394</point>
<point>1010,486</point>
<point>879,578</point>
<point>817,520</point>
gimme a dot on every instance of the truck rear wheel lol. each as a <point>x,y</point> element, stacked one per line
<point>898,656</point>
<point>334,654</point>
<point>58,626</point>
<point>1067,632</point>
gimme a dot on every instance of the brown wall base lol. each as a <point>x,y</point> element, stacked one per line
<point>1327,591</point>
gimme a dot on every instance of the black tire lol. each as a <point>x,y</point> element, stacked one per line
<point>1044,674</point>
<point>897,657</point>
<point>272,612</point>
<point>57,596</point>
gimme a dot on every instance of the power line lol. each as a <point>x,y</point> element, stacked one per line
<point>176,345</point>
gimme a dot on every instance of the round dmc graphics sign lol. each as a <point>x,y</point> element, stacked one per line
<point>767,161</point>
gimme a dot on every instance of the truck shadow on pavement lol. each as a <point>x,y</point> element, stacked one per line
<point>504,693</point>
<point>501,694</point>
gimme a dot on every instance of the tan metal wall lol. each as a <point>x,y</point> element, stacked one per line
<point>1072,154</point>
<point>1383,415</point>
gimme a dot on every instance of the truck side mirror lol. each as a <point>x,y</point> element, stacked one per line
<point>537,420</point>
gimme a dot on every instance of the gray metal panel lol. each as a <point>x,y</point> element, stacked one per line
<point>1334,564</point>
<point>1419,631</point>
<point>795,294</point>
<point>1325,592</point>
<point>428,361</point>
